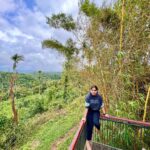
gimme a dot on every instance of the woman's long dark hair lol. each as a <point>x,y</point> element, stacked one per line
<point>94,86</point>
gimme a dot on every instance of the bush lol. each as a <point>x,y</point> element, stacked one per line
<point>11,134</point>
<point>36,108</point>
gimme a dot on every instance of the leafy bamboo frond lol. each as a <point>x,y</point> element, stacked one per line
<point>54,44</point>
<point>67,50</point>
<point>61,20</point>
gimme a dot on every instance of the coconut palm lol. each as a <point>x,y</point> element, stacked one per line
<point>39,76</point>
<point>16,59</point>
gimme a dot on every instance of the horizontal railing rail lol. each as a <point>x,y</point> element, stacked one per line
<point>125,120</point>
<point>123,133</point>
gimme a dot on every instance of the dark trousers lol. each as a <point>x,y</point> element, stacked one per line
<point>93,119</point>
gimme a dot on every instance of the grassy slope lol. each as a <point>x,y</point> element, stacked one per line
<point>55,128</point>
<point>48,127</point>
<point>66,143</point>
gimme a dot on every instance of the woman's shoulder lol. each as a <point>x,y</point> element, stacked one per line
<point>87,95</point>
<point>99,96</point>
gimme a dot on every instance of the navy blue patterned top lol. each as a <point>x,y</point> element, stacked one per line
<point>94,102</point>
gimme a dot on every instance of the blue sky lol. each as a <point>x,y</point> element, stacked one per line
<point>23,27</point>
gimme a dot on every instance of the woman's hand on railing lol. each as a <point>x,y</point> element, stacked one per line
<point>106,115</point>
<point>84,119</point>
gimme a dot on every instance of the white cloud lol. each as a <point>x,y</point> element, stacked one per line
<point>7,6</point>
<point>70,7</point>
<point>42,60</point>
<point>4,37</point>
<point>17,33</point>
<point>23,32</point>
<point>14,35</point>
<point>49,7</point>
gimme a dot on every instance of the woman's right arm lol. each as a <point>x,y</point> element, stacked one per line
<point>87,105</point>
<point>85,113</point>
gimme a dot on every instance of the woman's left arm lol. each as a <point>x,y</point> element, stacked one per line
<point>104,112</point>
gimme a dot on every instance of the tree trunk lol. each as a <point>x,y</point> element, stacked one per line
<point>12,97</point>
<point>121,24</point>
<point>121,33</point>
<point>146,103</point>
<point>65,88</point>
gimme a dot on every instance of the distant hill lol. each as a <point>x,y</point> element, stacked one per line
<point>27,78</point>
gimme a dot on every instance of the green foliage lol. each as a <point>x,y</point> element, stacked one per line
<point>36,108</point>
<point>28,108</point>
<point>10,133</point>
<point>66,143</point>
<point>109,18</point>
<point>47,76</point>
<point>56,127</point>
<point>90,9</point>
<point>67,50</point>
<point>122,75</point>
<point>53,44</point>
<point>61,20</point>
<point>26,84</point>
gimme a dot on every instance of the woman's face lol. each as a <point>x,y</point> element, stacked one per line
<point>93,91</point>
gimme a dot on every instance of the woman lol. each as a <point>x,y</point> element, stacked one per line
<point>93,104</point>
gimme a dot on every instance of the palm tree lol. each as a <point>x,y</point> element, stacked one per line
<point>16,58</point>
<point>39,73</point>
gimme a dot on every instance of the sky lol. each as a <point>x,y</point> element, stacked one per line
<point>22,29</point>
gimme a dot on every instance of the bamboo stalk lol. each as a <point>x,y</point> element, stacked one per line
<point>121,24</point>
<point>146,102</point>
<point>141,132</point>
<point>121,32</point>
